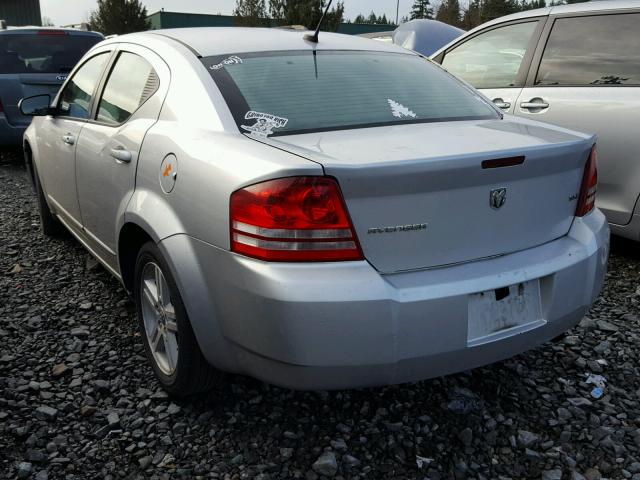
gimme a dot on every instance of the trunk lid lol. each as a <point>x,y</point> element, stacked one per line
<point>420,198</point>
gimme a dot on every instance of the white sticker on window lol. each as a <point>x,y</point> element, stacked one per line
<point>400,111</point>
<point>265,123</point>
<point>232,60</point>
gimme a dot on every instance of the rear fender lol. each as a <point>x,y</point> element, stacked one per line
<point>152,213</point>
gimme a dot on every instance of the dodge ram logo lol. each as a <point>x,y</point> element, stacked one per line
<point>497,197</point>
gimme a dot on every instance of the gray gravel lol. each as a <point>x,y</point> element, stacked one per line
<point>78,401</point>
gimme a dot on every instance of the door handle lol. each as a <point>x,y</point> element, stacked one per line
<point>121,155</point>
<point>500,103</point>
<point>68,139</point>
<point>534,104</point>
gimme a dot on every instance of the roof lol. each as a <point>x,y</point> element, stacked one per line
<point>212,41</point>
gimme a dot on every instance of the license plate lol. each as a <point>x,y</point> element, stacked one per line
<point>503,312</point>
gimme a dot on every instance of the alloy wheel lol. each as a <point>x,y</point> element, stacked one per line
<point>159,318</point>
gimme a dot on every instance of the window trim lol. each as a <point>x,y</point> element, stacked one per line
<point>103,84</point>
<point>109,54</point>
<point>523,71</point>
<point>536,61</point>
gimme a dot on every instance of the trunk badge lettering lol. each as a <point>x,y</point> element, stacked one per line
<point>398,228</point>
<point>497,198</point>
<point>61,78</point>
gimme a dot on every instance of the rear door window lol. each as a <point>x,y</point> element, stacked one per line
<point>43,52</point>
<point>492,59</point>
<point>131,82</point>
<point>593,50</point>
<point>75,99</point>
<point>280,93</point>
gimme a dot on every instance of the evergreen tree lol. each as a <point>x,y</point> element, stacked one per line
<point>251,13</point>
<point>449,12</point>
<point>421,9</point>
<point>480,11</point>
<point>277,9</point>
<point>117,17</point>
<point>307,13</point>
<point>373,19</point>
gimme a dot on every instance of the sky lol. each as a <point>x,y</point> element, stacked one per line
<point>65,12</point>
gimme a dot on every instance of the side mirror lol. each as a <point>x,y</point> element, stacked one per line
<point>36,106</point>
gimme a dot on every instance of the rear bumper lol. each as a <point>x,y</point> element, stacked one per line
<point>10,135</point>
<point>343,325</point>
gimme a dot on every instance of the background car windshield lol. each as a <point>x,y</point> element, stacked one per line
<point>297,92</point>
<point>42,53</point>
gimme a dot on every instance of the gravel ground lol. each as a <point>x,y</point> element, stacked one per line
<point>78,401</point>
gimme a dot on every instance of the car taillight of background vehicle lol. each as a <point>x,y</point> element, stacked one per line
<point>295,219</point>
<point>587,198</point>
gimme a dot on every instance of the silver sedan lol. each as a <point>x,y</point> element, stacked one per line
<point>317,215</point>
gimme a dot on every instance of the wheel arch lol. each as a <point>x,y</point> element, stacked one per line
<point>28,162</point>
<point>130,240</point>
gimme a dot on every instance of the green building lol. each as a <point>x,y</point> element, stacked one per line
<point>163,19</point>
<point>18,13</point>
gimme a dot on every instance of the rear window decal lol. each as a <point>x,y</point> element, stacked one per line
<point>400,111</point>
<point>232,60</point>
<point>265,123</point>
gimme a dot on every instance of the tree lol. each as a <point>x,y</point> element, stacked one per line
<point>251,13</point>
<point>119,17</point>
<point>480,11</point>
<point>277,9</point>
<point>531,4</point>
<point>449,12</point>
<point>307,13</point>
<point>372,19</point>
<point>421,9</point>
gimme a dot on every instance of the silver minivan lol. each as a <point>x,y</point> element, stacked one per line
<point>576,66</point>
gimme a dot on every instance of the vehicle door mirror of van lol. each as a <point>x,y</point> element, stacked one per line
<point>36,106</point>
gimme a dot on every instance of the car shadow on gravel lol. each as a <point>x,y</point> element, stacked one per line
<point>78,399</point>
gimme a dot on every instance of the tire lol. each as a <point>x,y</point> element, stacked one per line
<point>51,226</point>
<point>176,358</point>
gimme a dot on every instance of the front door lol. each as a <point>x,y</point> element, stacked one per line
<point>109,145</point>
<point>57,155</point>
<point>588,79</point>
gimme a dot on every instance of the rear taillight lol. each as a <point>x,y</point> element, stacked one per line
<point>1,107</point>
<point>295,219</point>
<point>587,198</point>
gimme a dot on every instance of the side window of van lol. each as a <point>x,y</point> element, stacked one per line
<point>592,50</point>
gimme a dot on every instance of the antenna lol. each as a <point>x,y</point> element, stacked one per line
<point>314,38</point>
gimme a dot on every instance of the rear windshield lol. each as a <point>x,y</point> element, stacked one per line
<point>284,93</point>
<point>42,53</point>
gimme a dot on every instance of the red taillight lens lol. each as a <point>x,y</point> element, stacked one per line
<point>1,107</point>
<point>296,219</point>
<point>587,198</point>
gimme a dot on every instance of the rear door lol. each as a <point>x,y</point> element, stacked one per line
<point>586,76</point>
<point>496,59</point>
<point>108,147</point>
<point>34,62</point>
<point>57,150</point>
